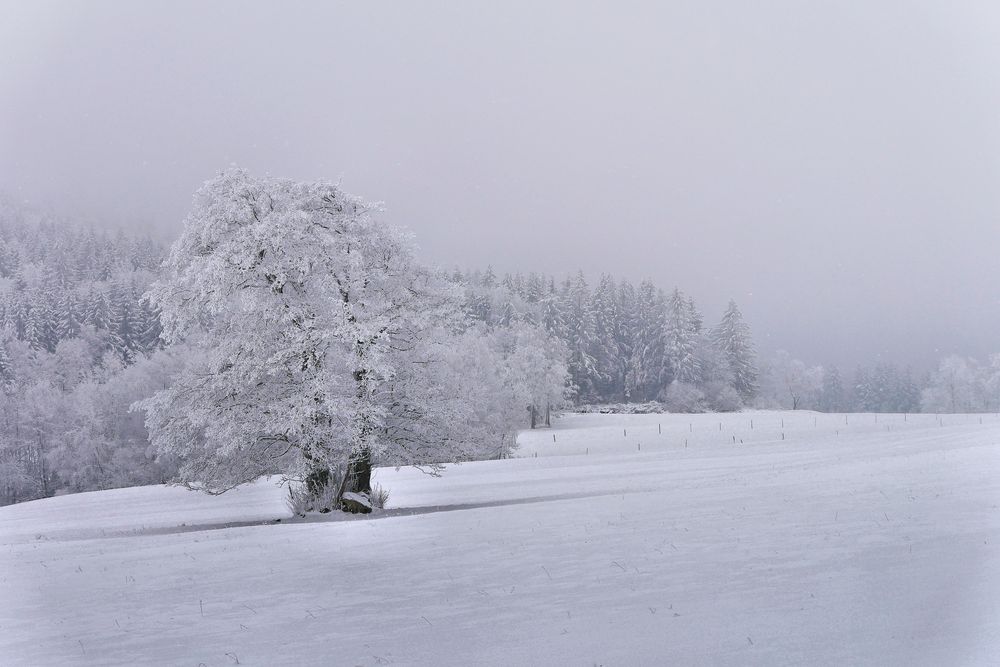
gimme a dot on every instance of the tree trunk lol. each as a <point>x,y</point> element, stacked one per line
<point>548,414</point>
<point>359,472</point>
<point>534,415</point>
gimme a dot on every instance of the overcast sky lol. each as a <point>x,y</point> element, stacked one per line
<point>833,166</point>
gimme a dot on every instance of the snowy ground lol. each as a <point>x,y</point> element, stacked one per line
<point>628,540</point>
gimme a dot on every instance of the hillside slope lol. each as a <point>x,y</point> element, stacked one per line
<point>843,543</point>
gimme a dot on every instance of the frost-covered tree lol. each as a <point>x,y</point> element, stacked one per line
<point>68,315</point>
<point>907,393</point>
<point>578,319</point>
<point>884,388</point>
<point>7,378</point>
<point>795,384</point>
<point>732,337</point>
<point>864,396</point>
<point>831,394</point>
<point>125,324</point>
<point>681,340</point>
<point>533,369</point>
<point>322,344</point>
<point>684,397</point>
<point>991,383</point>
<point>954,387</point>
<point>105,444</point>
<point>628,334</point>
<point>694,316</point>
<point>648,364</point>
<point>551,314</point>
<point>607,341</point>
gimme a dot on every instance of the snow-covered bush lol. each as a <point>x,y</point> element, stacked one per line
<point>299,501</point>
<point>684,397</point>
<point>379,496</point>
<point>720,397</point>
<point>304,498</point>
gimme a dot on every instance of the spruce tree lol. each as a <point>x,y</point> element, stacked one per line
<point>831,397</point>
<point>551,312</point>
<point>628,335</point>
<point>607,351</point>
<point>579,322</point>
<point>732,337</point>
<point>697,323</point>
<point>864,393</point>
<point>125,323</point>
<point>680,340</point>
<point>68,316</point>
<point>6,368</point>
<point>648,358</point>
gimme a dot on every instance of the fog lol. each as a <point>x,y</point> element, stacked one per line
<point>833,167</point>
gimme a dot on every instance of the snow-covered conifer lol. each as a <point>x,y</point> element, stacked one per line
<point>831,395</point>
<point>607,350</point>
<point>732,337</point>
<point>580,336</point>
<point>628,335</point>
<point>680,340</point>
<point>648,361</point>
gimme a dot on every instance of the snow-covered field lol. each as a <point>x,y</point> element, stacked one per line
<point>613,540</point>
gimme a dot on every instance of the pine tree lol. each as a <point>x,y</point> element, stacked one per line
<point>607,350</point>
<point>580,335</point>
<point>125,325</point>
<point>8,260</point>
<point>6,368</point>
<point>68,316</point>
<point>149,328</point>
<point>551,312</point>
<point>37,325</point>
<point>732,337</point>
<point>477,304</point>
<point>681,340</point>
<point>908,394</point>
<point>628,337</point>
<point>98,313</point>
<point>831,397</point>
<point>16,317</point>
<point>694,316</point>
<point>865,396</point>
<point>534,288</point>
<point>648,360</point>
<point>490,278</point>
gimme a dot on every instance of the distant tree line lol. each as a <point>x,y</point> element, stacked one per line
<point>81,344</point>
<point>790,384</point>
<point>627,343</point>
<point>959,384</point>
<point>78,345</point>
<point>56,279</point>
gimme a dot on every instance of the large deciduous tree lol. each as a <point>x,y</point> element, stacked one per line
<point>323,344</point>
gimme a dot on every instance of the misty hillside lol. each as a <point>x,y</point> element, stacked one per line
<point>56,278</point>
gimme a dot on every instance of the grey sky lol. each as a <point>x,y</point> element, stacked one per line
<point>832,166</point>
